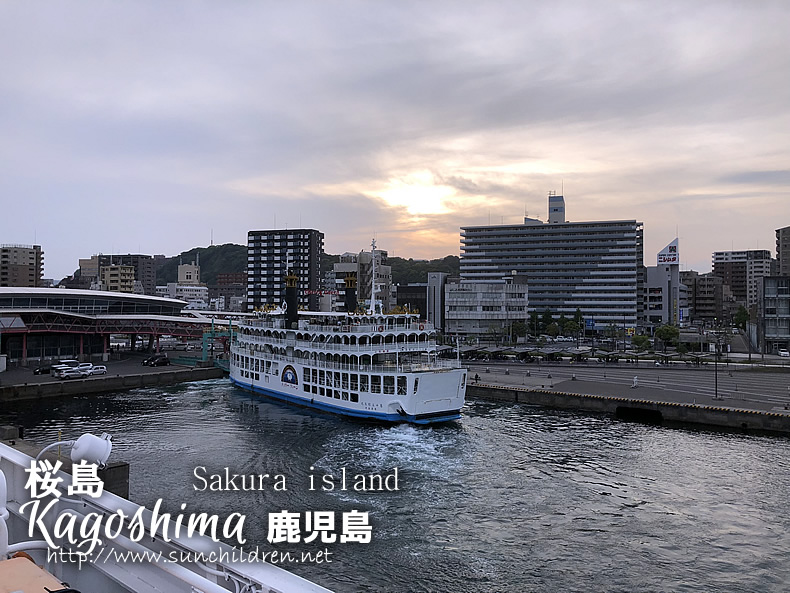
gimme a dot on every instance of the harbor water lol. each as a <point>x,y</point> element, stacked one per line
<point>508,499</point>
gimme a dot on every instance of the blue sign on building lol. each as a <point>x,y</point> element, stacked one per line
<point>589,323</point>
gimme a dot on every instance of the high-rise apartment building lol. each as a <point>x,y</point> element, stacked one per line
<point>269,256</point>
<point>21,265</point>
<point>783,251</point>
<point>596,267</point>
<point>740,270</point>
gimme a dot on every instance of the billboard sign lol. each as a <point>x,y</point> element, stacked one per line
<point>670,254</point>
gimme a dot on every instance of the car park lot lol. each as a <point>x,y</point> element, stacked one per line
<point>128,365</point>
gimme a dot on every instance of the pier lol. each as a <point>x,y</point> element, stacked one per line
<point>737,397</point>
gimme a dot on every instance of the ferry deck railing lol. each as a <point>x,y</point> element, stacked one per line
<point>356,348</point>
<point>401,367</point>
<point>355,328</point>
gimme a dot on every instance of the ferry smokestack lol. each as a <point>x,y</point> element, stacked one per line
<point>351,293</point>
<point>291,300</point>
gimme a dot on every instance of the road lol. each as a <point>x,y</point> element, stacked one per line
<point>738,385</point>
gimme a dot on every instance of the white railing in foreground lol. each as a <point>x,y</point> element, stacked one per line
<point>174,577</point>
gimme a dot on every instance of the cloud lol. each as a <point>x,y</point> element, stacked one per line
<point>142,126</point>
<point>758,178</point>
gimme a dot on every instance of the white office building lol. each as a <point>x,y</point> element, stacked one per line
<point>485,309</point>
<point>666,297</point>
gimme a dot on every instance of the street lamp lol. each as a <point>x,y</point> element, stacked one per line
<point>716,368</point>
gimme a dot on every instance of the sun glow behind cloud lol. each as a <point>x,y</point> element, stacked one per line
<point>418,193</point>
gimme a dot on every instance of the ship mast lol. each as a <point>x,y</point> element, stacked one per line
<point>372,309</point>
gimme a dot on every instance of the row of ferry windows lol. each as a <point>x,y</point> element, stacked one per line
<point>247,363</point>
<point>353,381</point>
<point>343,395</point>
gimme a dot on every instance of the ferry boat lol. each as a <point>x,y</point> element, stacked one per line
<point>365,365</point>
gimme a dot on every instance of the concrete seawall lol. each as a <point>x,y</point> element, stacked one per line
<point>640,410</point>
<point>105,383</point>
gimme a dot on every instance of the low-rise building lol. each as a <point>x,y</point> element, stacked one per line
<point>711,301</point>
<point>117,278</point>
<point>411,297</point>
<point>360,265</point>
<point>195,295</point>
<point>485,310</point>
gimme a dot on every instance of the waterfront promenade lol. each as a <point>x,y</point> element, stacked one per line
<point>697,395</point>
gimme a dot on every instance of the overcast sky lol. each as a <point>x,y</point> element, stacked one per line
<point>147,126</point>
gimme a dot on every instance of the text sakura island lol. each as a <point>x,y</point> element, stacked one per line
<point>227,481</point>
<point>85,532</point>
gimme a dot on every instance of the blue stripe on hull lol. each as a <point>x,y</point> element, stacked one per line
<point>318,405</point>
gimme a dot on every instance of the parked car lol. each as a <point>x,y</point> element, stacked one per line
<point>157,360</point>
<point>44,369</point>
<point>784,353</point>
<point>99,370</point>
<point>73,373</point>
<point>63,365</point>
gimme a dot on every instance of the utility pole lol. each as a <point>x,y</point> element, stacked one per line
<point>716,369</point>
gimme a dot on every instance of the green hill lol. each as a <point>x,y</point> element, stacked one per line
<point>406,271</point>
<point>230,258</point>
<point>217,259</point>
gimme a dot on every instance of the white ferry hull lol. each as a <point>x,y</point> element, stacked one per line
<point>438,398</point>
<point>368,366</point>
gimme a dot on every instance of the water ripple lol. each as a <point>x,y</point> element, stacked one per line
<point>510,499</point>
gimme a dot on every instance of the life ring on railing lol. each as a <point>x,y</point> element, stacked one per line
<point>422,326</point>
<point>380,328</point>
